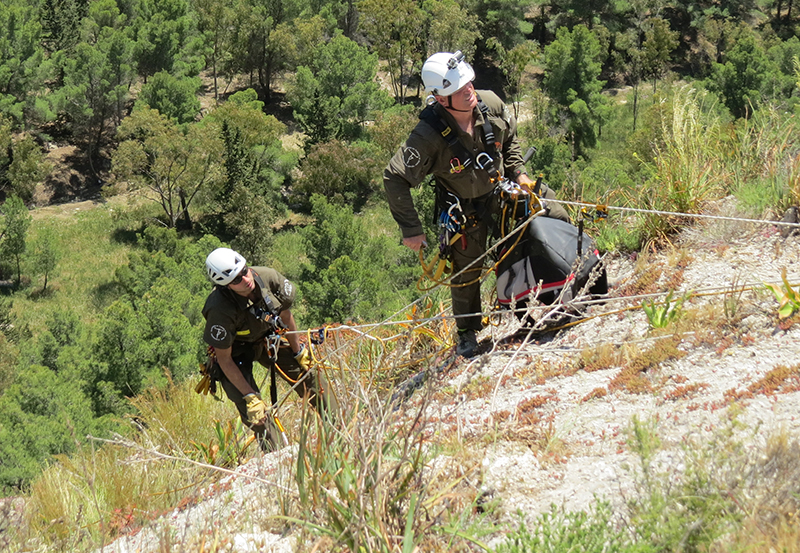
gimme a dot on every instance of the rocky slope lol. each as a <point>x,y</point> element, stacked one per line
<point>547,420</point>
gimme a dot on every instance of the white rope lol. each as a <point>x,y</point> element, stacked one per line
<point>679,214</point>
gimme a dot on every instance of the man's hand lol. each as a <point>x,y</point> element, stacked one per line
<point>525,182</point>
<point>303,358</point>
<point>415,242</point>
<point>256,409</point>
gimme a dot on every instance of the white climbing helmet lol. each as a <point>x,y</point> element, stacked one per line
<point>223,265</point>
<point>444,73</point>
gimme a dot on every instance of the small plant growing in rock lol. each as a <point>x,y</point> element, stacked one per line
<point>788,298</point>
<point>662,314</point>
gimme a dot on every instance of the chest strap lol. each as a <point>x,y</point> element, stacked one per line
<point>461,155</point>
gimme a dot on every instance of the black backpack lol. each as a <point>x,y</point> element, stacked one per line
<point>545,257</point>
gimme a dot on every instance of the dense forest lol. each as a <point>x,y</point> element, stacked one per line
<point>266,124</point>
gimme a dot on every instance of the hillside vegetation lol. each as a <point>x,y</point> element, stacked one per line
<point>176,126</point>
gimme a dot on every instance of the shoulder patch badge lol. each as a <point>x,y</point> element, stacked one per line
<point>218,333</point>
<point>411,157</point>
<point>287,288</point>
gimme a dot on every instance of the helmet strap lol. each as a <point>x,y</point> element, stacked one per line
<point>450,105</point>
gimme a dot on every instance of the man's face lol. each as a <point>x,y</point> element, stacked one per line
<point>463,99</point>
<point>246,285</point>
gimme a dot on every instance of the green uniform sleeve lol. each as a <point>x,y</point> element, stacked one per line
<point>512,152</point>
<point>408,167</point>
<point>220,330</point>
<point>281,289</point>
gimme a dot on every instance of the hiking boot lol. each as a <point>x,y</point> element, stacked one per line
<point>467,343</point>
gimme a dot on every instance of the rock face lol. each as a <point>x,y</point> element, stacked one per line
<point>560,406</point>
<point>792,215</point>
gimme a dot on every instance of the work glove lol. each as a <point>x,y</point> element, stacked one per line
<point>303,358</point>
<point>256,409</point>
<point>204,385</point>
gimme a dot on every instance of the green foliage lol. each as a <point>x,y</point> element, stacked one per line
<point>351,274</point>
<point>788,298</point>
<point>572,68</point>
<point>21,57</point>
<point>156,155</point>
<point>22,164</point>
<point>394,30</point>
<point>741,78</point>
<point>693,508</point>
<point>46,253</point>
<point>41,414</point>
<point>164,31</point>
<point>254,159</point>
<point>152,332</point>
<point>361,481</point>
<point>337,92</point>
<point>503,20</point>
<point>659,43</point>
<point>343,173</point>
<point>172,97</point>
<point>14,226</point>
<point>563,532</point>
<point>28,168</point>
<point>214,20</point>
<point>391,128</point>
<point>764,161</point>
<point>227,449</point>
<point>97,75</point>
<point>60,21</point>
<point>451,26</point>
<point>263,40</point>
<point>513,63</point>
<point>662,314</point>
<point>685,169</point>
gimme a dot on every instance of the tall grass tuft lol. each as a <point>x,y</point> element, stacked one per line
<point>765,161</point>
<point>368,476</point>
<point>103,491</point>
<point>685,171</point>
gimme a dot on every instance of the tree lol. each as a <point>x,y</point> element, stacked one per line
<point>46,253</point>
<point>164,34</point>
<point>253,159</point>
<point>334,96</point>
<point>256,46</point>
<point>176,98</point>
<point>341,172</point>
<point>21,56</point>
<point>394,32</point>
<point>60,21</point>
<point>41,413</point>
<point>503,20</point>
<point>28,167</point>
<point>214,19</point>
<point>659,43</point>
<point>14,231</point>
<point>450,27</point>
<point>513,63</point>
<point>156,155</point>
<point>98,74</point>
<point>741,77</point>
<point>572,68</point>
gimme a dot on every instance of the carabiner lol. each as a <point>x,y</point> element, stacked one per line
<point>483,165</point>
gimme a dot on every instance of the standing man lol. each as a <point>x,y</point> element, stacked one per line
<point>465,139</point>
<point>247,305</point>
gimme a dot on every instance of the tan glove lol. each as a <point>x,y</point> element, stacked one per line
<point>303,358</point>
<point>256,409</point>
